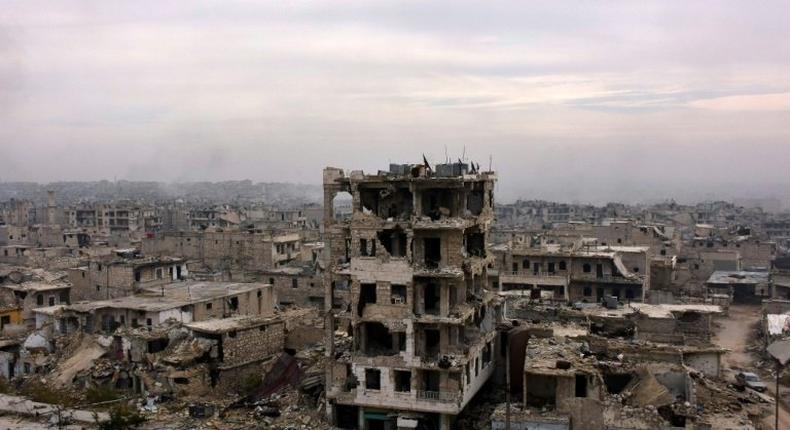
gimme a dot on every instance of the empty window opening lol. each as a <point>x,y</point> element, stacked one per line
<point>616,382</point>
<point>550,268</point>
<point>438,204</point>
<point>475,201</point>
<point>294,283</point>
<point>431,380</point>
<point>402,381</point>
<point>587,292</point>
<point>400,340</point>
<point>432,338</point>
<point>394,241</point>
<point>432,299</point>
<point>541,390</point>
<point>581,385</point>
<point>378,340</point>
<point>599,270</point>
<point>629,294</point>
<point>586,268</point>
<point>433,252</point>
<point>563,265</point>
<point>372,379</point>
<point>398,294</point>
<point>475,243</point>
<point>341,206</point>
<point>367,294</point>
<point>388,203</point>
<point>234,303</point>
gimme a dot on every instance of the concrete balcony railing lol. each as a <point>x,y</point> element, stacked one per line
<point>534,278</point>
<point>438,396</point>
<point>607,279</point>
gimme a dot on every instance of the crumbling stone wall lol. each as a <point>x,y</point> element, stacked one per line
<point>252,344</point>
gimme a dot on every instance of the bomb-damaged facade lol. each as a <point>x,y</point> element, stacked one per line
<point>413,254</point>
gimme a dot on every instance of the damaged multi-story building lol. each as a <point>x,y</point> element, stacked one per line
<point>234,252</point>
<point>423,323</point>
<point>577,272</point>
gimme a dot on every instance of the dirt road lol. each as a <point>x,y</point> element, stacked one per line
<point>735,333</point>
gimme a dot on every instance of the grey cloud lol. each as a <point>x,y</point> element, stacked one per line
<point>604,100</point>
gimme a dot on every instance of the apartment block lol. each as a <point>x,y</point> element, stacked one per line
<point>415,258</point>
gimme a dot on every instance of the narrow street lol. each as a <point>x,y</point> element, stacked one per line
<point>735,333</point>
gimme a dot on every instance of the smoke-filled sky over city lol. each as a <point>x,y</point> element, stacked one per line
<point>576,101</point>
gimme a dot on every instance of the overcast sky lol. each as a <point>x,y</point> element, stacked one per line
<point>571,100</point>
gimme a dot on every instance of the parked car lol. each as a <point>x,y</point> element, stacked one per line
<point>749,379</point>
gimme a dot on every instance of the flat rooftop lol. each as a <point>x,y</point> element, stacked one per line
<point>171,296</point>
<point>35,286</point>
<point>652,311</point>
<point>738,277</point>
<point>228,324</point>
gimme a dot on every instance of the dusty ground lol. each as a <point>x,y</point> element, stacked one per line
<point>736,333</point>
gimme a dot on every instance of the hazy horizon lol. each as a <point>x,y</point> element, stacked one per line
<point>572,101</point>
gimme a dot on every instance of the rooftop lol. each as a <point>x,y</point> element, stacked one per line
<point>738,277</point>
<point>170,296</point>
<point>35,286</point>
<point>229,324</point>
<point>652,311</point>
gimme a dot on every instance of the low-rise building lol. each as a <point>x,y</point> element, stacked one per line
<point>117,276</point>
<point>183,302</point>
